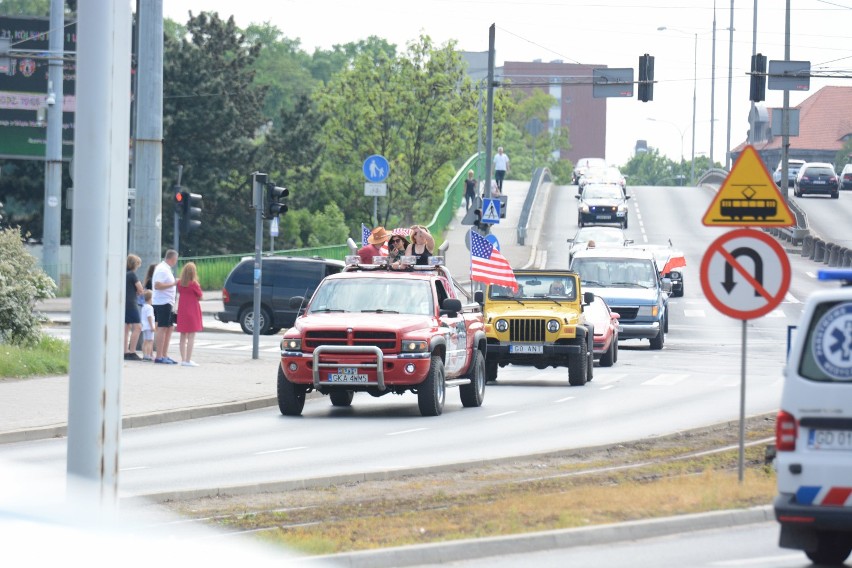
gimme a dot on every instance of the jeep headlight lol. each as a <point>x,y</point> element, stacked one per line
<point>674,275</point>
<point>501,325</point>
<point>291,344</point>
<point>553,326</point>
<point>411,346</point>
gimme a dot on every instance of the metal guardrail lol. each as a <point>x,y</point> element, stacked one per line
<point>541,176</point>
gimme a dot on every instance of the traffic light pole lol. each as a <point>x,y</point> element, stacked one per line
<point>176,242</point>
<point>257,186</point>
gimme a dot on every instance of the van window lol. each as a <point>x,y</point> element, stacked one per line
<point>243,273</point>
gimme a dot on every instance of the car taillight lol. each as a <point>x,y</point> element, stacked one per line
<point>786,431</point>
<point>225,296</point>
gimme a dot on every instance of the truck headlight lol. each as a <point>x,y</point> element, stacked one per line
<point>553,326</point>
<point>291,344</point>
<point>652,311</point>
<point>412,346</point>
<point>501,325</point>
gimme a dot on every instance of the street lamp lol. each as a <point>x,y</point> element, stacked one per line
<point>694,94</point>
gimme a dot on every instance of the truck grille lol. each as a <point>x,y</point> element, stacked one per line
<point>526,330</point>
<point>385,340</point>
<point>625,312</point>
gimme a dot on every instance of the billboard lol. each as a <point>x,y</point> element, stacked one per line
<point>24,87</point>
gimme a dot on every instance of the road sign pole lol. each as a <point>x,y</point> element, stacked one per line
<point>741,460</point>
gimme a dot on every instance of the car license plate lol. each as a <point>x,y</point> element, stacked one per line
<point>347,375</point>
<point>525,348</point>
<point>819,182</point>
<point>604,216</point>
<point>830,440</point>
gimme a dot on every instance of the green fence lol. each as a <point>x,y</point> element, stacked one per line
<point>212,270</point>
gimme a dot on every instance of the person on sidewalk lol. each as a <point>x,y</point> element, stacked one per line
<point>148,327</point>
<point>501,167</point>
<point>189,312</point>
<point>132,327</point>
<point>377,238</point>
<point>164,301</point>
<point>469,190</point>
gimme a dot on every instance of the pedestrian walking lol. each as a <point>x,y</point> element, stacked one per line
<point>189,312</point>
<point>164,288</point>
<point>469,190</point>
<point>501,167</point>
<point>132,321</point>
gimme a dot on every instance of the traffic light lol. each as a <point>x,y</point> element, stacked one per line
<point>275,197</point>
<point>188,207</point>
<point>646,78</point>
<point>757,92</point>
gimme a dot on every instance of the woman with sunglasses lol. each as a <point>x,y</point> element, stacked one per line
<point>396,248</point>
<point>422,244</point>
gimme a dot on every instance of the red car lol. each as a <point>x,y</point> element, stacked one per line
<point>606,331</point>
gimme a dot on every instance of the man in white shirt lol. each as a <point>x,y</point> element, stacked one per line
<point>501,167</point>
<point>165,293</point>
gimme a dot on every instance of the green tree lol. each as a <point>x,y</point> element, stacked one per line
<point>25,8</point>
<point>416,109</point>
<point>212,112</point>
<point>22,284</point>
<point>649,168</point>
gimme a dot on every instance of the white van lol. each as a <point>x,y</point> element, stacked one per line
<point>814,429</point>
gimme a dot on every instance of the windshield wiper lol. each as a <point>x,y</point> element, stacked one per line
<point>592,283</point>
<point>380,311</point>
<point>327,310</point>
<point>628,284</point>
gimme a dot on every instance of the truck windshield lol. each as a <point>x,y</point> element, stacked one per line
<point>616,272</point>
<point>388,295</point>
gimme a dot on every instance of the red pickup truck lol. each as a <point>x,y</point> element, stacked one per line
<point>380,330</point>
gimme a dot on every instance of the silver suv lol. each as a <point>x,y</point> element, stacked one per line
<point>813,439</point>
<point>793,167</point>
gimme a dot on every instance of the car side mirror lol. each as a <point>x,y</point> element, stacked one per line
<point>297,302</point>
<point>588,298</point>
<point>479,297</point>
<point>577,196</point>
<point>667,285</point>
<point>451,307</point>
<point>628,196</point>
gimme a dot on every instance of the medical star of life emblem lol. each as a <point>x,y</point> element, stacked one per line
<point>832,342</point>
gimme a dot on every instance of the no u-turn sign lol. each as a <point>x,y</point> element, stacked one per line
<point>745,274</point>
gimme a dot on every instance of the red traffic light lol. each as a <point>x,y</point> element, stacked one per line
<point>179,197</point>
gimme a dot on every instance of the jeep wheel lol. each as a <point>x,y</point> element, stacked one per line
<point>832,549</point>
<point>472,394</point>
<point>291,397</point>
<point>490,371</point>
<point>578,366</point>
<point>431,393</point>
<point>608,358</point>
<point>341,397</point>
<point>247,321</point>
<point>657,342</point>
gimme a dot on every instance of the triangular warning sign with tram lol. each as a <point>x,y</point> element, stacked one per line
<point>748,197</point>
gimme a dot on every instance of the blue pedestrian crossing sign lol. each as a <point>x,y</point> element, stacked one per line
<point>490,211</point>
<point>376,168</point>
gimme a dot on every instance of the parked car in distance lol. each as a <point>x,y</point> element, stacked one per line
<point>602,204</point>
<point>582,166</point>
<point>793,167</point>
<point>605,322</point>
<point>813,440</point>
<point>846,177</point>
<point>601,235</point>
<point>282,278</point>
<point>817,177</point>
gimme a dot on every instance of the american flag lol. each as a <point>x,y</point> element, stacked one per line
<point>365,234</point>
<point>488,265</point>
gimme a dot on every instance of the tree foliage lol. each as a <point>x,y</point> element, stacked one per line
<point>22,284</point>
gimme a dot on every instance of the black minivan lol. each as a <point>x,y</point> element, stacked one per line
<point>283,277</point>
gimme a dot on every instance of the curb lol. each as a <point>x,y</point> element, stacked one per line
<point>469,549</point>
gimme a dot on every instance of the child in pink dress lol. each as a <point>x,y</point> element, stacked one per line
<point>189,312</point>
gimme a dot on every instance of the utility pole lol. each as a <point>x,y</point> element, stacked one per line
<point>489,119</point>
<point>52,222</point>
<point>147,174</point>
<point>713,90</point>
<point>730,86</point>
<point>785,118</point>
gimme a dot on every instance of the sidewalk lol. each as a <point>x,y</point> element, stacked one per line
<point>225,382</point>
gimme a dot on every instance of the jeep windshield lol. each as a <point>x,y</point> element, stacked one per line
<point>615,272</point>
<point>540,287</point>
<point>380,295</point>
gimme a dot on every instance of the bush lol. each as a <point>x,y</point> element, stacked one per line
<point>22,284</point>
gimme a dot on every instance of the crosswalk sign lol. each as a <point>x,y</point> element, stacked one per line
<point>748,197</point>
<point>490,211</point>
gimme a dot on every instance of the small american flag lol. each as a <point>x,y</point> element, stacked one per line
<point>365,234</point>
<point>488,265</point>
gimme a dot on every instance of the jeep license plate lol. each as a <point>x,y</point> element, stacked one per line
<point>524,348</point>
<point>830,440</point>
<point>347,375</point>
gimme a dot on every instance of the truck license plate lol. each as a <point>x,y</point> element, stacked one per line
<point>347,375</point>
<point>524,348</point>
<point>830,440</point>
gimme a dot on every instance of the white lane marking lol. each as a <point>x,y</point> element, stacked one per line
<point>133,468</point>
<point>666,379</point>
<point>776,314</point>
<point>281,450</point>
<point>694,313</point>
<point>811,274</point>
<point>607,387</point>
<point>791,299</point>
<point>502,414</point>
<point>564,399</point>
<point>608,379</point>
<point>405,431</point>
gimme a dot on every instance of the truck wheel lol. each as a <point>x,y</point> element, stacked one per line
<point>341,397</point>
<point>247,321</point>
<point>577,369</point>
<point>832,549</point>
<point>608,358</point>
<point>291,397</point>
<point>431,393</point>
<point>657,342</point>
<point>490,371</point>
<point>472,394</point>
